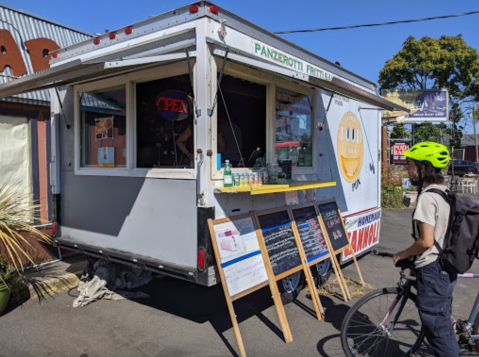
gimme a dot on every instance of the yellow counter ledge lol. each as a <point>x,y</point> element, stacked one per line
<point>263,189</point>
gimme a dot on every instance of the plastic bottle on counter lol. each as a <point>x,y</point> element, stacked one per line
<point>227,177</point>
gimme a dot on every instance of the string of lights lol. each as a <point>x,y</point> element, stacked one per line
<point>382,24</point>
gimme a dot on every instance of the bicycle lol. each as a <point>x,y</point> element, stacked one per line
<point>386,321</point>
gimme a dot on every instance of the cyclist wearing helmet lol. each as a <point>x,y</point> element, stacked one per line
<point>434,286</point>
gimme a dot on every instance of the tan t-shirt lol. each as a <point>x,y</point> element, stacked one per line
<point>434,210</point>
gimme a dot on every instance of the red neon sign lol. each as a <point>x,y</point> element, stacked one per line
<point>173,105</point>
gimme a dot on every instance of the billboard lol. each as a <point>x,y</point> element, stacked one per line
<point>425,105</point>
<point>396,150</point>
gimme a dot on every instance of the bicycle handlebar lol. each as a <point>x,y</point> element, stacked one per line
<point>403,264</point>
<point>382,254</point>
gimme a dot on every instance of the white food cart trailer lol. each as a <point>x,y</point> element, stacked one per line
<point>144,117</point>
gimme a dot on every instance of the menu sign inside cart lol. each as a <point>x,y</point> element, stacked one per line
<point>271,54</point>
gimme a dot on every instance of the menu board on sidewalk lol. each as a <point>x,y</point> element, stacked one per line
<point>280,241</point>
<point>334,231</point>
<point>240,255</point>
<point>310,233</point>
<point>333,224</point>
<point>243,268</point>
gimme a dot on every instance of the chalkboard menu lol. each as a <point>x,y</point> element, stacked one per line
<point>334,227</point>
<point>280,242</point>
<point>310,233</point>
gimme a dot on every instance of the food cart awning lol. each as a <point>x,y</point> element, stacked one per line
<point>336,85</point>
<point>79,71</point>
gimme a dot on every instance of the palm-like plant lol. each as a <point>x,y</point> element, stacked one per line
<point>17,215</point>
<point>6,272</point>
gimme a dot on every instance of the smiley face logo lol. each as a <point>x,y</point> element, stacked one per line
<point>350,147</point>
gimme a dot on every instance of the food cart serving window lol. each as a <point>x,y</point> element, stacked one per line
<point>241,125</point>
<point>137,125</point>
<point>293,123</point>
<point>164,124</point>
<point>272,119</point>
<point>103,128</point>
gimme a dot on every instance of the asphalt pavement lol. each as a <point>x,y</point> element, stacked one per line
<point>184,319</point>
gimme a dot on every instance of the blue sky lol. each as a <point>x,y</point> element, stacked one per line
<point>363,51</point>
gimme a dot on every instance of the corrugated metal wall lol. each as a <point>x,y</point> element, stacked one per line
<point>24,26</point>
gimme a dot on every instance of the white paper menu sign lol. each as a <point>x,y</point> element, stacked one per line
<point>240,255</point>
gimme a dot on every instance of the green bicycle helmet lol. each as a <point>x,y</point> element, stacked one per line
<point>436,154</point>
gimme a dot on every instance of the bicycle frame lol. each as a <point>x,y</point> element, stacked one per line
<point>404,296</point>
<point>475,308</point>
<point>388,322</point>
<point>400,297</point>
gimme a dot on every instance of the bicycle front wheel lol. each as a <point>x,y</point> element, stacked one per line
<point>372,326</point>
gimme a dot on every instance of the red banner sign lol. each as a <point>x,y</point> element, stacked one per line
<point>399,148</point>
<point>363,232</point>
<point>397,157</point>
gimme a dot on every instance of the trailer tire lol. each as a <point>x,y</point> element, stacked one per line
<point>322,272</point>
<point>291,286</point>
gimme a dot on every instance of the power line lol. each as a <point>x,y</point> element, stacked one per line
<point>385,23</point>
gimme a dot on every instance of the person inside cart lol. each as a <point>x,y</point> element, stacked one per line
<point>181,142</point>
<point>229,140</point>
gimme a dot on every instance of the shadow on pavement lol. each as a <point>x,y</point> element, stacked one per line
<point>201,304</point>
<point>334,315</point>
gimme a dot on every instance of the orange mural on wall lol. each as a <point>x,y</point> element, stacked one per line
<point>10,54</point>
<point>38,49</point>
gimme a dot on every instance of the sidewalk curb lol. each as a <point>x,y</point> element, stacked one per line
<point>50,286</point>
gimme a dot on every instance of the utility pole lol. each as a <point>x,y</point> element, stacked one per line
<point>475,135</point>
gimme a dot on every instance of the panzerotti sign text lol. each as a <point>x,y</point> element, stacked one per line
<point>271,54</point>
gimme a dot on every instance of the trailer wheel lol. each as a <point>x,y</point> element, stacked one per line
<point>291,286</point>
<point>322,272</point>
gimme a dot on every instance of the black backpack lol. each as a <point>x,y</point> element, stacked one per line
<point>461,243</point>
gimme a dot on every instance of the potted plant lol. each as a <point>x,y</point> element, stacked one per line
<point>7,273</point>
<point>17,216</point>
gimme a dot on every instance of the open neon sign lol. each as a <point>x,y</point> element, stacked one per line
<point>173,105</point>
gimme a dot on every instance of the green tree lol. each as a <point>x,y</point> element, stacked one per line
<point>429,63</point>
<point>427,132</point>
<point>400,132</point>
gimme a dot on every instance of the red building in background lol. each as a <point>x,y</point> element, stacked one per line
<point>468,144</point>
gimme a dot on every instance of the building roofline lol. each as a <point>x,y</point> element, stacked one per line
<point>13,8</point>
